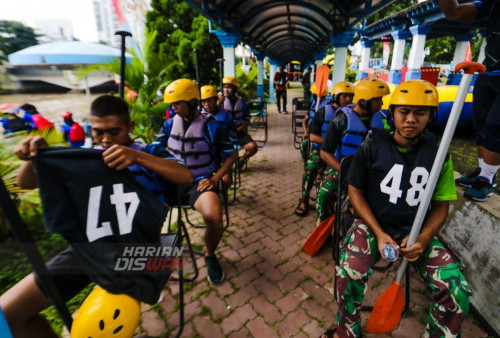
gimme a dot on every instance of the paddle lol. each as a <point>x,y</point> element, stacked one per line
<point>322,75</point>
<point>387,310</point>
<point>320,234</point>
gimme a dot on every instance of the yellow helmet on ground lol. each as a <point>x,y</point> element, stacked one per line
<point>104,314</point>
<point>415,93</point>
<point>343,87</point>
<point>230,80</point>
<point>181,90</point>
<point>314,90</point>
<point>208,92</point>
<point>367,89</point>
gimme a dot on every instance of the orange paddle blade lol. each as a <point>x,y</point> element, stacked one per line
<point>387,310</point>
<point>322,75</point>
<point>318,237</point>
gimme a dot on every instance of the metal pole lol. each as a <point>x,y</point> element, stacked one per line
<point>221,73</point>
<point>196,66</point>
<point>121,88</point>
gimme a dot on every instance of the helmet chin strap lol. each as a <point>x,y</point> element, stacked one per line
<point>412,140</point>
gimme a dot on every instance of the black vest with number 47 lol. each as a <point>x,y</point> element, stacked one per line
<point>397,181</point>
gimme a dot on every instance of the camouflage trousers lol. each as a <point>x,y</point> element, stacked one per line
<point>311,171</point>
<point>304,151</point>
<point>437,265</point>
<point>327,195</point>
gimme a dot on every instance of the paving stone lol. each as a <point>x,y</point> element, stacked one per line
<point>290,281</point>
<point>325,313</point>
<point>318,292</point>
<point>313,329</point>
<point>152,323</point>
<point>238,318</point>
<point>249,262</point>
<point>288,303</point>
<point>204,326</point>
<point>242,296</point>
<point>266,309</point>
<point>218,308</point>
<point>292,323</point>
<point>243,333</point>
<point>271,272</point>
<point>259,328</point>
<point>271,291</point>
<point>245,277</point>
<point>224,288</point>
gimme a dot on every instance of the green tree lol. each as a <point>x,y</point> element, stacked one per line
<point>181,29</point>
<point>15,36</point>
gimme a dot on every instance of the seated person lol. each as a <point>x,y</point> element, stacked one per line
<point>346,132</point>
<point>209,104</point>
<point>200,141</point>
<point>238,108</point>
<point>73,132</point>
<point>386,180</point>
<point>111,126</point>
<point>314,163</point>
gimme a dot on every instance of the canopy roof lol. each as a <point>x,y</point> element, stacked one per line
<point>286,30</point>
<point>70,52</point>
<point>424,13</point>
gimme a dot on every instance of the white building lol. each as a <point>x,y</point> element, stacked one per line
<point>54,30</point>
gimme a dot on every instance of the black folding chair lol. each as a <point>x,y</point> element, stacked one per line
<point>300,110</point>
<point>258,113</point>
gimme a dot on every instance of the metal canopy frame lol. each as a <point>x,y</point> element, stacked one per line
<point>287,30</point>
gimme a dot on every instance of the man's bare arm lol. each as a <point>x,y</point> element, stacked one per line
<point>458,12</point>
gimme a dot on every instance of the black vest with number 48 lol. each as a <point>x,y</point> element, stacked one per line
<point>397,181</point>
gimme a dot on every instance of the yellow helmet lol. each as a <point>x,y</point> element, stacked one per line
<point>181,90</point>
<point>230,80</point>
<point>104,314</point>
<point>367,89</point>
<point>208,92</point>
<point>343,87</point>
<point>415,93</point>
<point>314,90</point>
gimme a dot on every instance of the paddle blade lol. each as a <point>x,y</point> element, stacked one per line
<point>317,238</point>
<point>387,310</point>
<point>322,75</point>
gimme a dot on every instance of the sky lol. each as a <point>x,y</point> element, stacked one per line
<point>79,12</point>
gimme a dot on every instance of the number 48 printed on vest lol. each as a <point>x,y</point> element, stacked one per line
<point>105,215</point>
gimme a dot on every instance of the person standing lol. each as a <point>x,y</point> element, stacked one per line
<point>306,84</point>
<point>281,84</point>
<point>486,103</point>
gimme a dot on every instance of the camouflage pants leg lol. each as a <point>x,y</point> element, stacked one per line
<point>304,151</point>
<point>437,265</point>
<point>327,195</point>
<point>450,294</point>
<point>310,173</point>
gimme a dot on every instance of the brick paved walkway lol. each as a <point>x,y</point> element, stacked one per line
<point>272,288</point>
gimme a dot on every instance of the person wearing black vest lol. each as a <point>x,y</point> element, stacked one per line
<point>486,104</point>
<point>203,144</point>
<point>386,180</point>
<point>347,130</point>
<point>110,128</point>
<point>238,108</point>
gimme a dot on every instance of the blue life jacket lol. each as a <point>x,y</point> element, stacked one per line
<point>329,115</point>
<point>356,131</point>
<point>192,146</point>
<point>236,111</point>
<point>226,121</point>
<point>144,176</point>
